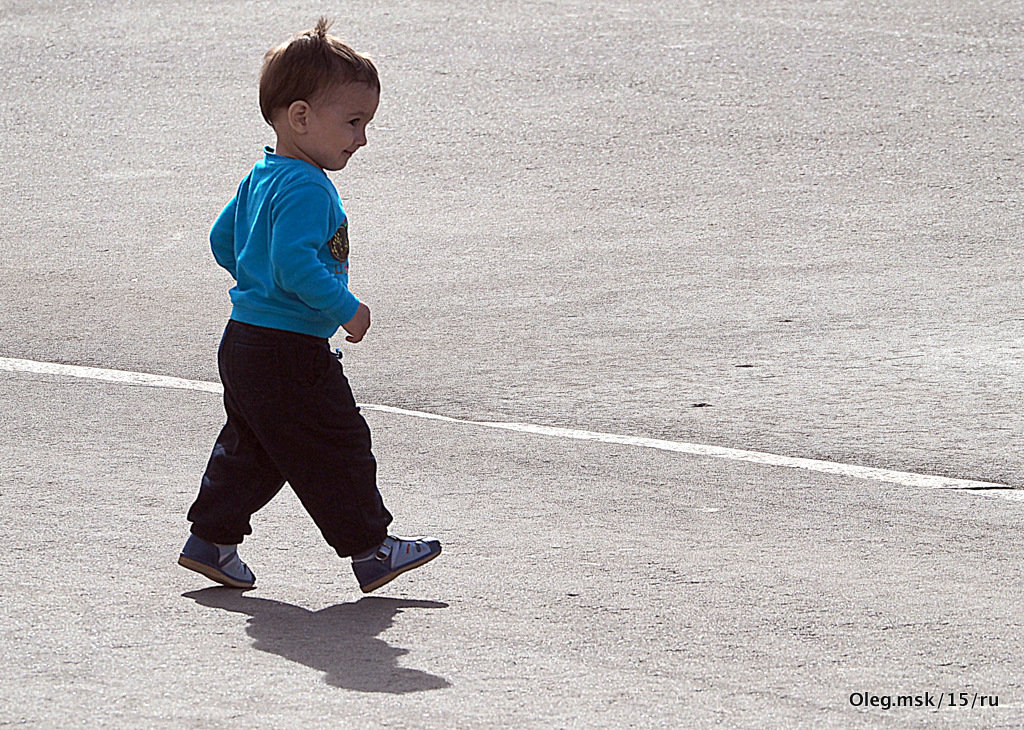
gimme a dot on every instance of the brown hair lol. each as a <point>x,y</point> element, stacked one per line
<point>307,65</point>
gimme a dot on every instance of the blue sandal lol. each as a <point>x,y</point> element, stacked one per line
<point>391,558</point>
<point>217,562</point>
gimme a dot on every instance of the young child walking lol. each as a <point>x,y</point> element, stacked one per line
<point>291,416</point>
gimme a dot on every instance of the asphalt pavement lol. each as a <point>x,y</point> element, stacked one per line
<point>776,226</point>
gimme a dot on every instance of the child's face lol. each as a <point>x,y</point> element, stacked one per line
<point>336,124</point>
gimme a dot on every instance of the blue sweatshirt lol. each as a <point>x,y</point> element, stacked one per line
<point>284,239</point>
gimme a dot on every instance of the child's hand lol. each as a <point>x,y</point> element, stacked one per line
<point>357,326</point>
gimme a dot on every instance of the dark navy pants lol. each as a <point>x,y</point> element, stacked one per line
<point>291,417</point>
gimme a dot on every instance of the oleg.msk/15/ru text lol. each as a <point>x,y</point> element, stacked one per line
<point>927,699</point>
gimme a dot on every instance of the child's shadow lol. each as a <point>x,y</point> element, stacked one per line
<point>339,640</point>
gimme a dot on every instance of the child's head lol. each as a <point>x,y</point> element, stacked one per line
<point>318,94</point>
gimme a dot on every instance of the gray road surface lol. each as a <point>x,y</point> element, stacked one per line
<point>635,588</point>
<point>594,215</point>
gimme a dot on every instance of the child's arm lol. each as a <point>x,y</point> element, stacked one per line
<point>299,229</point>
<point>357,326</point>
<point>222,238</point>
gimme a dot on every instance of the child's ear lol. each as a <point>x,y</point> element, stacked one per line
<point>298,116</point>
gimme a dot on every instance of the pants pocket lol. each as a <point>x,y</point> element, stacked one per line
<point>309,364</point>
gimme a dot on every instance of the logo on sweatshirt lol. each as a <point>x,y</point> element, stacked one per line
<point>339,243</point>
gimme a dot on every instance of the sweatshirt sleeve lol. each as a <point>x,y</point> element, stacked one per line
<point>222,238</point>
<point>299,229</point>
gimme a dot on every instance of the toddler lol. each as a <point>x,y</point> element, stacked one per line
<point>291,416</point>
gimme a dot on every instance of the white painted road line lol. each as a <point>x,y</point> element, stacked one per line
<point>907,479</point>
<point>124,377</point>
